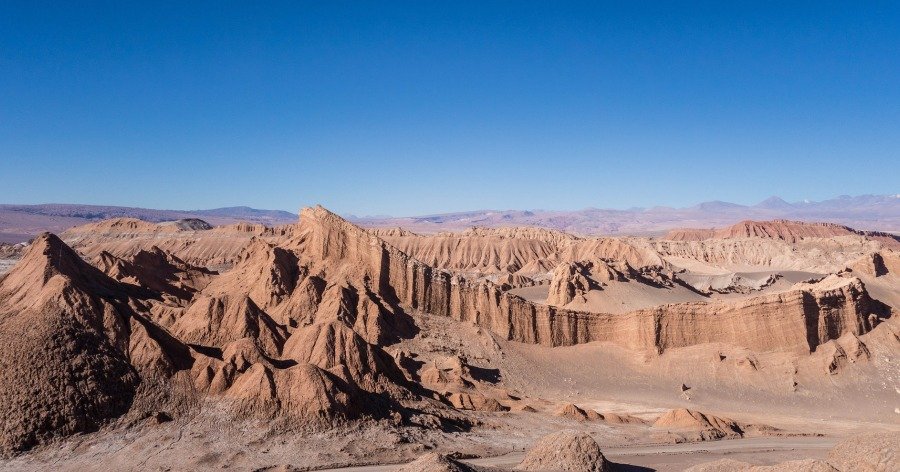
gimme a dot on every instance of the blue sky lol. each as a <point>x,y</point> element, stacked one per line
<point>423,107</point>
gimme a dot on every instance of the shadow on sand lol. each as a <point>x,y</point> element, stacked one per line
<point>616,467</point>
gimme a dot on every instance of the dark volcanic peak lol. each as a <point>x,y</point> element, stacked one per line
<point>192,224</point>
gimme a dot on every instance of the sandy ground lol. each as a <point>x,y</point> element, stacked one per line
<point>623,297</point>
<point>593,376</point>
<point>759,451</point>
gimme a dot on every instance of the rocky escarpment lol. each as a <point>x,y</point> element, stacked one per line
<point>192,242</point>
<point>816,255</point>
<point>779,243</point>
<point>784,230</point>
<point>527,251</point>
<point>798,320</point>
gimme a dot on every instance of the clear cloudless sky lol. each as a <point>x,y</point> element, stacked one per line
<point>419,107</point>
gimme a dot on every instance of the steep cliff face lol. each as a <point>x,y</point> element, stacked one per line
<point>526,251</point>
<point>818,255</point>
<point>878,264</point>
<point>780,243</point>
<point>798,320</point>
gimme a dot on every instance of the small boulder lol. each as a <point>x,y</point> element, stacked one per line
<point>434,462</point>
<point>566,451</point>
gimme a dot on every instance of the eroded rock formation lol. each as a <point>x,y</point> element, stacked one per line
<point>296,330</point>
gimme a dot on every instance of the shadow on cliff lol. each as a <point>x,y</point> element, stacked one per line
<point>402,325</point>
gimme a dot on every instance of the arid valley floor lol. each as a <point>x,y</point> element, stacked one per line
<point>323,345</point>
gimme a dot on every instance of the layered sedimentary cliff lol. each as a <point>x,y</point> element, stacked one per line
<point>784,230</point>
<point>522,250</point>
<point>798,320</point>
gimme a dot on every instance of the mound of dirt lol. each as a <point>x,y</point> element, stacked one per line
<point>565,451</point>
<point>615,418</point>
<point>434,462</point>
<point>476,402</point>
<point>839,353</point>
<point>573,412</point>
<point>303,393</point>
<point>62,370</point>
<point>708,426</point>
<point>333,344</point>
<point>570,281</point>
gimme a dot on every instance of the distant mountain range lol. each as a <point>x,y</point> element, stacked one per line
<point>21,222</point>
<point>866,212</point>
